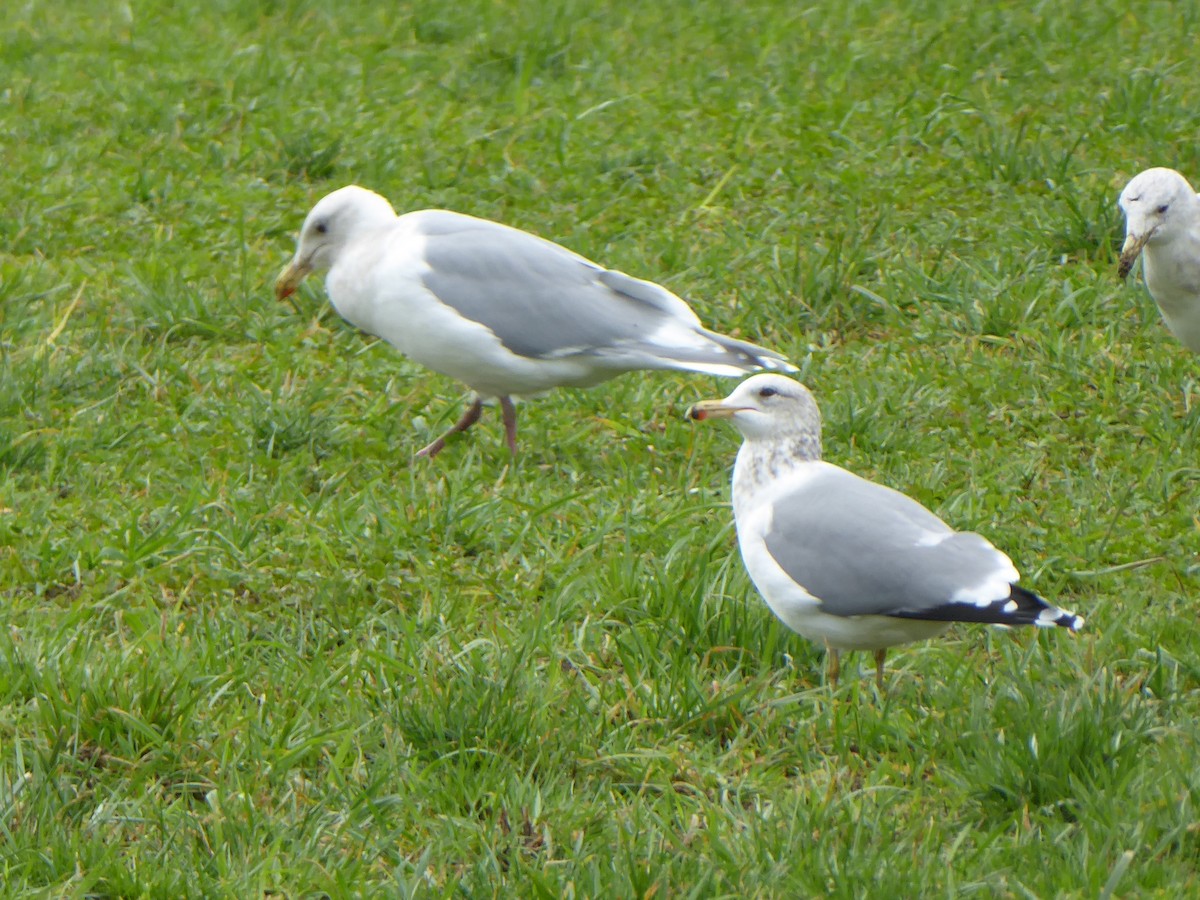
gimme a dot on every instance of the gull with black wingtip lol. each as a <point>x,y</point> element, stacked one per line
<point>844,561</point>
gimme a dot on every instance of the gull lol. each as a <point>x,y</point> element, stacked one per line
<point>844,561</point>
<point>501,310</point>
<point>1162,224</point>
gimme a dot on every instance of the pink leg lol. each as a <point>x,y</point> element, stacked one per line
<point>509,412</point>
<point>469,418</point>
<point>833,662</point>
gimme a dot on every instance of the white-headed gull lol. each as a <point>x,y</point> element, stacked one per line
<point>1162,225</point>
<point>844,561</point>
<point>501,310</point>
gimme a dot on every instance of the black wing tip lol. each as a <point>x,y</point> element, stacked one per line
<point>1062,619</point>
<point>1045,613</point>
<point>1020,607</point>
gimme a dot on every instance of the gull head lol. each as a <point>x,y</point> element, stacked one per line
<point>1153,203</point>
<point>766,407</point>
<point>335,221</point>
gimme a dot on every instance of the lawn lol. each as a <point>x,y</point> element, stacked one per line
<point>249,647</point>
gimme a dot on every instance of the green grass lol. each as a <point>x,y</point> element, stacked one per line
<point>248,648</point>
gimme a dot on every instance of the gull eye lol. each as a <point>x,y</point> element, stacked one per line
<point>768,392</point>
<point>322,228</point>
<point>1163,209</point>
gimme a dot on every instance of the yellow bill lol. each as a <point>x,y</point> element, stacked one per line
<point>289,279</point>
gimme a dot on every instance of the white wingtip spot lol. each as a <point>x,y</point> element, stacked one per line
<point>1050,615</point>
<point>1053,616</point>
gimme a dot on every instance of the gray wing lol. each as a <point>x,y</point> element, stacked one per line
<point>863,549</point>
<point>543,301</point>
<point>539,299</point>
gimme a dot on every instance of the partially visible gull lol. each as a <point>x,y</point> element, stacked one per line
<point>846,562</point>
<point>501,310</point>
<point>1162,224</point>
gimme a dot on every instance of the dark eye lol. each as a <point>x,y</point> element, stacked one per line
<point>768,392</point>
<point>1162,209</point>
<point>322,228</point>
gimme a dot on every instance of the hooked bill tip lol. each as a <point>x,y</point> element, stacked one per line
<point>695,412</point>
